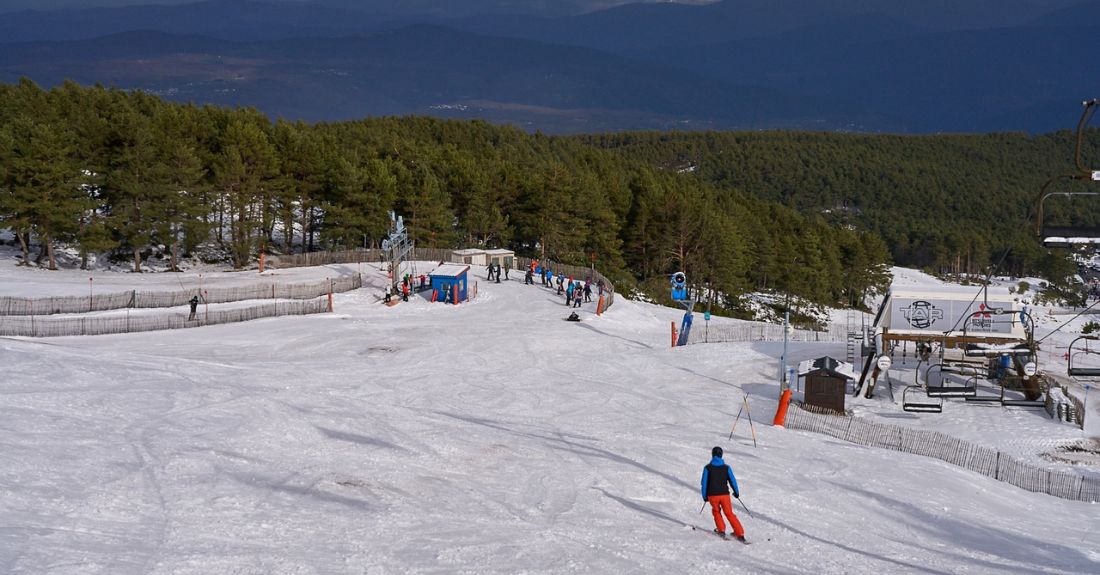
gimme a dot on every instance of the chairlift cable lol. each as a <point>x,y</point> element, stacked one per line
<point>1064,324</point>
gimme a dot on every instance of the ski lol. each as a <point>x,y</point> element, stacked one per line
<point>728,537</point>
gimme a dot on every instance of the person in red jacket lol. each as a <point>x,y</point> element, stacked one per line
<point>717,482</point>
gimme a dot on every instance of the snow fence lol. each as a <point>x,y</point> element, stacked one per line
<point>988,462</point>
<point>55,326</point>
<point>20,306</point>
<point>750,331</point>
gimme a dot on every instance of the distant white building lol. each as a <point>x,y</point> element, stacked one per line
<point>503,258</point>
<point>472,257</point>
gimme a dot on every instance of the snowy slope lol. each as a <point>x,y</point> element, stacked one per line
<point>491,437</point>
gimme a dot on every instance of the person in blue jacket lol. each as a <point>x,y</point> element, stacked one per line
<point>717,482</point>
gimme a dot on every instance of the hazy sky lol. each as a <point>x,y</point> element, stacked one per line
<point>9,6</point>
<point>12,5</point>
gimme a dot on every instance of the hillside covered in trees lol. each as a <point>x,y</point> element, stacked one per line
<point>125,173</point>
<point>947,203</point>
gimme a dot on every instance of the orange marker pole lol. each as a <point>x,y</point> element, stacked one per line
<point>781,411</point>
<point>673,333</point>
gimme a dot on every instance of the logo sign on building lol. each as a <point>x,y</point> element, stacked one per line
<point>941,315</point>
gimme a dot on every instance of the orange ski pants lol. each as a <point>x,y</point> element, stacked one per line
<point>720,504</point>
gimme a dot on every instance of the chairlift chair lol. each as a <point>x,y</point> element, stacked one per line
<point>944,390</point>
<point>1070,236</point>
<point>1077,371</point>
<point>1008,402</point>
<point>930,404</point>
<point>972,384</point>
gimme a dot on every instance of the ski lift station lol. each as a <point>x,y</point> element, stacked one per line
<point>951,316</point>
<point>449,283</point>
<point>985,349</point>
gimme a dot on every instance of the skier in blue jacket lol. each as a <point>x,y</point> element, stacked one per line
<point>717,482</point>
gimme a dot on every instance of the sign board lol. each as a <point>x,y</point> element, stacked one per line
<point>884,362</point>
<point>940,315</point>
<point>1030,368</point>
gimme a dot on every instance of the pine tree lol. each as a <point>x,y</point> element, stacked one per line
<point>245,171</point>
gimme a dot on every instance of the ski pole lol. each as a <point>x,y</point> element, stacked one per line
<point>735,420</point>
<point>746,508</point>
<point>704,507</point>
<point>745,401</point>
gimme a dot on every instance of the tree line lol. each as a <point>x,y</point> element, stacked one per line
<point>107,171</point>
<point>951,203</point>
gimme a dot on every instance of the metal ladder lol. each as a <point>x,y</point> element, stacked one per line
<point>854,334</point>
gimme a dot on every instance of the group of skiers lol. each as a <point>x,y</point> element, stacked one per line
<point>405,287</point>
<point>494,271</point>
<point>573,290</point>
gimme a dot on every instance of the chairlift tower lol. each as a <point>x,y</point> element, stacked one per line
<point>396,247</point>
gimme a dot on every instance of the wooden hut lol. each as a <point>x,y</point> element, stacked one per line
<point>826,382</point>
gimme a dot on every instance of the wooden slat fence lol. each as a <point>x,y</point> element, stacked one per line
<point>930,443</point>
<point>54,326</point>
<point>20,306</point>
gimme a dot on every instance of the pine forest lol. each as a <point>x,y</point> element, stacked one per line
<point>819,216</point>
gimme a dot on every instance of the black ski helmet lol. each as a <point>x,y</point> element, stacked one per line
<point>716,452</point>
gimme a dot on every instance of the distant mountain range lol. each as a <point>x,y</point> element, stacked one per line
<point>906,66</point>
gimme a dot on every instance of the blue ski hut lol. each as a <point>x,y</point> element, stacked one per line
<point>449,282</point>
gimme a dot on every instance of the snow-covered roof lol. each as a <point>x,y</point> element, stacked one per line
<point>954,292</point>
<point>449,270</point>
<point>828,364</point>
<point>468,252</point>
<point>499,252</point>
